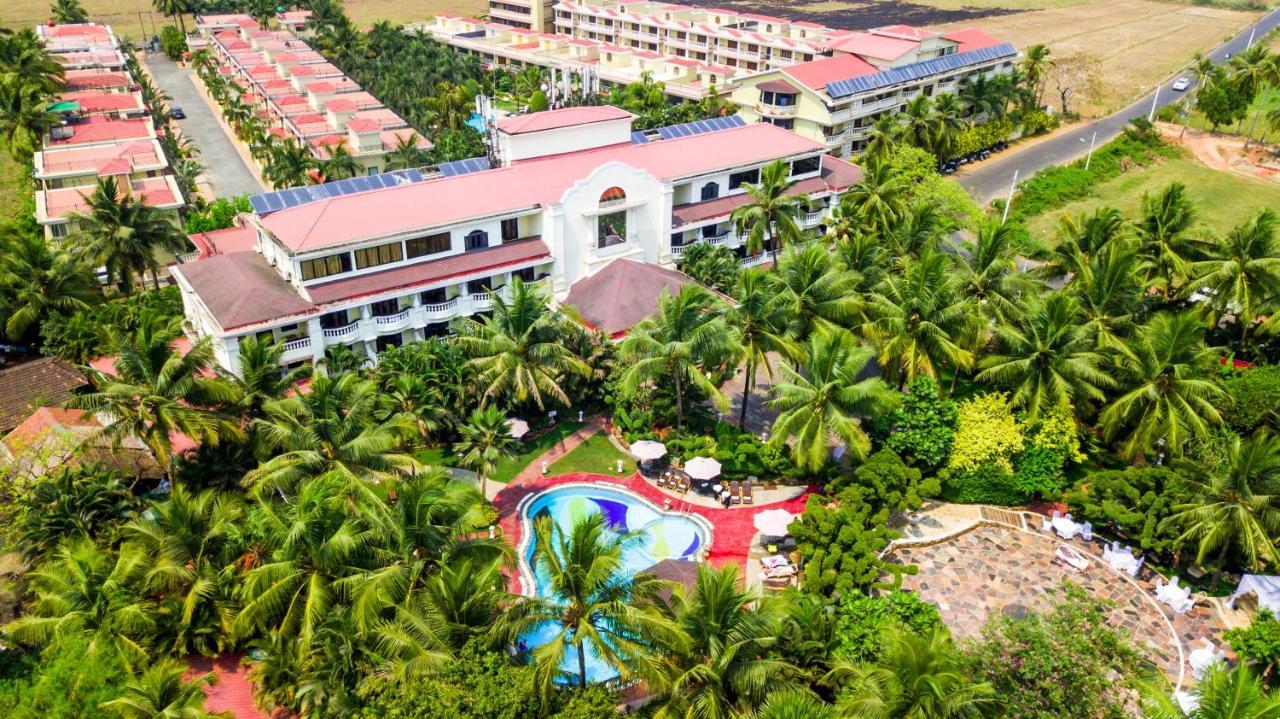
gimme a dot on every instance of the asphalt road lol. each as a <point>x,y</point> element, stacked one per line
<point>223,166</point>
<point>991,179</point>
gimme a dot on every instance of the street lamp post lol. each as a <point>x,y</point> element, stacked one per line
<point>1154,98</point>
<point>1089,158</point>
<point>1009,200</point>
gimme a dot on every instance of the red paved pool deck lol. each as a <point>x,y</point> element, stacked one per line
<point>732,528</point>
<point>231,692</point>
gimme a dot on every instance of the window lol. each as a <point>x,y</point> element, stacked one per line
<point>612,196</point>
<point>611,229</point>
<point>325,266</point>
<point>334,320</point>
<point>806,165</point>
<point>525,274</point>
<point>373,170</point>
<point>738,178</point>
<point>710,230</point>
<point>435,329</point>
<point>777,99</point>
<point>386,342</point>
<point>439,295</point>
<point>379,255</point>
<point>510,229</point>
<point>385,308</point>
<point>429,245</point>
<point>478,286</point>
<point>62,229</point>
<point>710,191</point>
<point>784,123</point>
<point>476,240</point>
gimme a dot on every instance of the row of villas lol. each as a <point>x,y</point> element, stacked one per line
<point>300,94</point>
<point>577,195</point>
<point>825,83</point>
<point>105,131</point>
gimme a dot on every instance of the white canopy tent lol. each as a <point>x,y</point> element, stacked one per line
<point>517,428</point>
<point>702,468</point>
<point>647,450</point>
<point>1266,587</point>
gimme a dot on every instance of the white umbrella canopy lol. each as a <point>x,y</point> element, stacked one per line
<point>702,468</point>
<point>517,428</point>
<point>646,450</point>
<point>773,522</point>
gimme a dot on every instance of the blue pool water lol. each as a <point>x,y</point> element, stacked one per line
<point>663,536</point>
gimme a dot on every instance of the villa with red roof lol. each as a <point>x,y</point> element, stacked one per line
<point>836,99</point>
<point>571,192</point>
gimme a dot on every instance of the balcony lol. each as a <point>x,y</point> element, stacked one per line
<point>295,350</point>
<point>812,218</point>
<point>440,311</point>
<point>739,53</point>
<point>687,44</point>
<point>755,260</point>
<point>839,116</point>
<point>588,26</point>
<point>640,35</point>
<point>481,301</point>
<point>510,14</point>
<point>776,110</point>
<point>343,334</point>
<point>392,323</point>
<point>838,138</point>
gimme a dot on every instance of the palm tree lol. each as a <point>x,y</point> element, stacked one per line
<point>123,233</point>
<point>949,122</point>
<point>883,137</point>
<point>86,588</point>
<point>918,126</point>
<point>421,400</point>
<point>332,431</point>
<point>1035,60</point>
<point>1048,359</point>
<point>920,319</point>
<point>338,163</point>
<point>917,676</point>
<point>1234,505</point>
<point>1243,275</point>
<point>24,117</point>
<point>768,219</point>
<point>188,541</point>
<point>590,605</point>
<point>990,276</point>
<point>1109,288</point>
<point>40,281</point>
<point>758,330</point>
<point>1168,394</point>
<point>919,229</point>
<point>983,96</point>
<point>794,704</point>
<point>406,153</point>
<point>290,165</point>
<point>823,401</point>
<point>879,198</point>
<point>518,352</point>
<point>161,693</point>
<point>157,393</point>
<point>66,12</point>
<point>685,339</point>
<point>1223,693</point>
<point>486,439</point>
<point>173,8</point>
<point>1082,236</point>
<point>24,57</point>
<point>1168,244</point>
<point>449,107</point>
<point>261,378</point>
<point>725,670</point>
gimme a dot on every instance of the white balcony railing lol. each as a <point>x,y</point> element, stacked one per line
<point>398,317</point>
<point>296,345</point>
<point>342,332</point>
<point>812,218</point>
<point>841,115</point>
<point>440,308</point>
<point>753,260</point>
<point>776,110</point>
<point>481,300</point>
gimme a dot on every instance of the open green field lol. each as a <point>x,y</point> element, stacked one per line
<point>596,455</point>
<point>1266,101</point>
<point>508,468</point>
<point>1224,198</point>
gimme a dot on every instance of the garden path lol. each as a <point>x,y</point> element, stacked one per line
<point>533,471</point>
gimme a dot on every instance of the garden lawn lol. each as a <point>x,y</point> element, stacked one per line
<point>11,200</point>
<point>1224,199</point>
<point>507,469</point>
<point>597,455</point>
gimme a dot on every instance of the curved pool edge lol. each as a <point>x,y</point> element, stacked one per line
<point>527,583</point>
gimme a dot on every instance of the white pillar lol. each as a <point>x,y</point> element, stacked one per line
<point>316,333</point>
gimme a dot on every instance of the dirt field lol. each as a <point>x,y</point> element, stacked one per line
<point>130,17</point>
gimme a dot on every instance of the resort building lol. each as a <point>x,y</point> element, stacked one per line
<point>376,262</point>
<point>303,96</point>
<point>104,131</point>
<point>835,100</point>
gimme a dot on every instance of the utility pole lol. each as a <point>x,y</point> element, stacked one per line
<point>1252,30</point>
<point>1154,98</point>
<point>1009,201</point>
<point>1089,157</point>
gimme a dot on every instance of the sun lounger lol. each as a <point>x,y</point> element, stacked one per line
<point>683,484</point>
<point>1070,557</point>
<point>748,493</point>
<point>735,493</point>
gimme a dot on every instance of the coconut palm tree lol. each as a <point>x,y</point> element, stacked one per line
<point>290,165</point>
<point>123,233</point>
<point>1243,274</point>
<point>174,8</point>
<point>1168,244</point>
<point>949,122</point>
<point>518,352</point>
<point>680,343</point>
<point>883,136</point>
<point>1048,359</point>
<point>39,281</point>
<point>419,399</point>
<point>1080,237</point>
<point>590,606</point>
<point>24,117</point>
<point>726,668</point>
<point>261,378</point>
<point>66,12</point>
<point>188,539</point>
<point>1108,286</point>
<point>406,153</point>
<point>920,319</point>
<point>758,329</point>
<point>1223,693</point>
<point>157,393</point>
<point>918,125</point>
<point>332,431</point>
<point>990,275</point>
<point>813,291</point>
<point>83,587</point>
<point>769,218</point>
<point>338,163</point>
<point>486,440</point>
<point>822,402</point>
<point>919,229</point>
<point>921,676</point>
<point>1035,61</point>
<point>795,704</point>
<point>1167,391</point>
<point>879,198</point>
<point>983,96</point>
<point>23,56</point>
<point>161,692</point>
<point>1234,505</point>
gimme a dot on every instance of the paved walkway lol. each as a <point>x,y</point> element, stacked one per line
<point>225,169</point>
<point>533,471</point>
<point>231,692</point>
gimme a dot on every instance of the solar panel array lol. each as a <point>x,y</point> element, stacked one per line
<point>269,202</point>
<point>918,70</point>
<point>639,138</point>
<point>463,167</point>
<point>700,126</point>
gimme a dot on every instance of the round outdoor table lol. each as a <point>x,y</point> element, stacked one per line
<point>717,488</point>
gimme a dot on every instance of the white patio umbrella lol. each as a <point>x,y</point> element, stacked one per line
<point>773,522</point>
<point>702,468</point>
<point>646,450</point>
<point>517,428</point>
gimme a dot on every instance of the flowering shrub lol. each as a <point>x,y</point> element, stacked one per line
<point>987,434</point>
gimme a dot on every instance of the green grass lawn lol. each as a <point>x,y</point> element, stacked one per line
<point>1266,101</point>
<point>508,468</point>
<point>596,455</point>
<point>1223,198</point>
<point>11,188</point>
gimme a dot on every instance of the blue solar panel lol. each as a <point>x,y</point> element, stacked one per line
<point>918,70</point>
<point>696,127</point>
<point>292,197</point>
<point>463,167</point>
<point>639,138</point>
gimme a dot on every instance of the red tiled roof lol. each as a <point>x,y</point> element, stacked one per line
<point>875,46</point>
<point>41,382</point>
<point>101,101</point>
<point>86,79</point>
<point>104,129</point>
<point>906,31</point>
<point>817,73</point>
<point>781,86</point>
<point>363,125</point>
<point>224,242</point>
<point>971,39</point>
<point>30,430</point>
<point>568,117</point>
<point>622,293</point>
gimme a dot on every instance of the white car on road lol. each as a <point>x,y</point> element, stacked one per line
<point>1181,84</point>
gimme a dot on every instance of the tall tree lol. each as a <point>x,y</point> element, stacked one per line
<point>66,12</point>
<point>1243,274</point>
<point>812,291</point>
<point>758,328</point>
<point>1035,60</point>
<point>36,281</point>
<point>262,379</point>
<point>879,198</point>
<point>24,116</point>
<point>1169,244</point>
<point>124,233</point>
<point>921,319</point>
<point>486,440</point>
<point>289,165</point>
<point>990,275</point>
<point>338,163</point>
<point>174,8</point>
<point>770,216</point>
<point>917,676</point>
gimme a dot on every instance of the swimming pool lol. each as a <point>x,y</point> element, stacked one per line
<point>664,535</point>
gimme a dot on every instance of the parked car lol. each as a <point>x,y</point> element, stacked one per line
<point>177,113</point>
<point>1181,84</point>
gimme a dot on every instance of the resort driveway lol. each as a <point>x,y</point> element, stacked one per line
<point>224,168</point>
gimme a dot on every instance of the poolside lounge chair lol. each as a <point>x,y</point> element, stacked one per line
<point>735,493</point>
<point>748,492</point>
<point>683,484</point>
<point>1070,557</point>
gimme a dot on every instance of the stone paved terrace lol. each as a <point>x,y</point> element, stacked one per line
<point>977,572</point>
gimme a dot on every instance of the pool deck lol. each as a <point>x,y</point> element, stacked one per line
<point>733,529</point>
